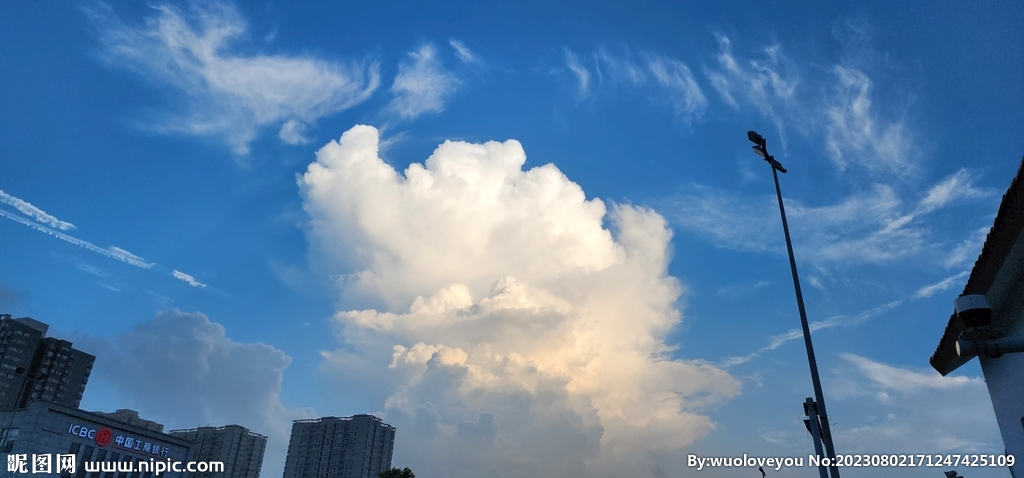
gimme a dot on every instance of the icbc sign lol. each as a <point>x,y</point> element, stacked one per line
<point>102,436</point>
<point>105,437</point>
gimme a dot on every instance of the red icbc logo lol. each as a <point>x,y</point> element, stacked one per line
<point>103,437</point>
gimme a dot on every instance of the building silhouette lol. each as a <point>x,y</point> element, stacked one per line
<point>36,367</point>
<point>239,449</point>
<point>131,417</point>
<point>359,446</point>
<point>51,428</point>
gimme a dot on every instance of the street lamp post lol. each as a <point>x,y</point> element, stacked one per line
<point>817,417</point>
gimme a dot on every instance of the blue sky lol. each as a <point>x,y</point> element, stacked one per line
<point>543,242</point>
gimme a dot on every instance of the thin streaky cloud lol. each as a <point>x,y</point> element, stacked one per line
<point>944,284</point>
<point>462,52</point>
<point>111,252</point>
<point>109,287</point>
<point>188,278</point>
<point>776,341</point>
<point>39,215</point>
<point>902,379</point>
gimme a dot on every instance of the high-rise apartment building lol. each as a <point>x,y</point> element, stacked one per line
<point>36,367</point>
<point>239,449</point>
<point>359,446</point>
<point>18,341</point>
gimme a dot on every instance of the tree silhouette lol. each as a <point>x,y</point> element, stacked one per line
<point>396,473</point>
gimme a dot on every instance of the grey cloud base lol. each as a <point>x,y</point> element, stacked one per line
<point>182,370</point>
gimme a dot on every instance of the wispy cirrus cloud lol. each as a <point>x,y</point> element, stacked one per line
<point>835,103</point>
<point>767,83</point>
<point>955,186</point>
<point>581,72</point>
<point>422,85</point>
<point>229,94</point>
<point>665,79</point>
<point>867,226</point>
<point>855,133</point>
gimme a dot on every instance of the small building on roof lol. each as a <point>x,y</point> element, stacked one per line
<point>998,341</point>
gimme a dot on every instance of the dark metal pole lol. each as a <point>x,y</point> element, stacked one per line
<point>819,398</point>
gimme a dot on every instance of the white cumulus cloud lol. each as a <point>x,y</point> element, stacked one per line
<point>228,94</point>
<point>518,336</point>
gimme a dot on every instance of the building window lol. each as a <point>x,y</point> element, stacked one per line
<point>72,450</point>
<point>125,459</point>
<point>86,456</point>
<point>101,455</point>
<point>7,439</point>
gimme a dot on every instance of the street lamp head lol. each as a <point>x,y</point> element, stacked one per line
<point>760,151</point>
<point>777,165</point>
<point>756,139</point>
